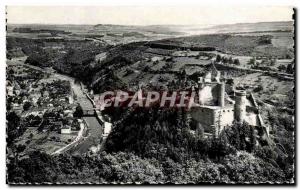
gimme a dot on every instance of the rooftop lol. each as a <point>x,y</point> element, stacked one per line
<point>213,107</point>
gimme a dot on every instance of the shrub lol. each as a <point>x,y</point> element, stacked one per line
<point>236,62</point>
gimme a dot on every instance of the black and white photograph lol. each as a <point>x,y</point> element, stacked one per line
<point>150,95</point>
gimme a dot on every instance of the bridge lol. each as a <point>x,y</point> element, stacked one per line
<point>89,112</point>
<point>94,124</point>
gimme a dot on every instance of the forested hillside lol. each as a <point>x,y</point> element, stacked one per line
<point>151,146</point>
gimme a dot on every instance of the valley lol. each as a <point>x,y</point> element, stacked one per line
<point>68,67</point>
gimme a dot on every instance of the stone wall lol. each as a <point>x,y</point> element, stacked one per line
<point>227,116</point>
<point>209,94</point>
<point>205,116</point>
<point>213,120</point>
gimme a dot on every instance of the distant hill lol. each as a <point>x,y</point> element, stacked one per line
<point>241,28</point>
<point>152,29</point>
<point>199,29</point>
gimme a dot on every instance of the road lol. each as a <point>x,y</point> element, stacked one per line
<point>77,139</point>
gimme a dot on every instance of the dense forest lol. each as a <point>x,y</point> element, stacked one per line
<point>157,146</point>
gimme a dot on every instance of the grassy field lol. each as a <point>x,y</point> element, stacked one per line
<point>47,142</point>
<point>277,44</point>
<point>280,39</point>
<point>272,88</point>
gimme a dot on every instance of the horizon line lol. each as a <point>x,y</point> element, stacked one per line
<point>148,24</point>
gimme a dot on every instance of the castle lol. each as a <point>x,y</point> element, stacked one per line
<point>214,109</point>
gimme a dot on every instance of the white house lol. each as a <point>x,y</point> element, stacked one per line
<point>65,129</point>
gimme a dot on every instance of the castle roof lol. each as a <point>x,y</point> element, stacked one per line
<point>213,69</point>
<point>212,74</point>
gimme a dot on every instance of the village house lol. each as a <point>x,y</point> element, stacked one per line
<point>9,90</point>
<point>17,108</point>
<point>66,129</point>
<point>35,112</point>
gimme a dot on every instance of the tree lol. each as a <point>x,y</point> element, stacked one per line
<point>230,82</point>
<point>282,68</point>
<point>38,59</point>
<point>230,60</point>
<point>242,136</point>
<point>252,61</point>
<point>218,58</point>
<point>199,131</point>
<point>146,68</point>
<point>251,145</point>
<point>259,88</point>
<point>244,167</point>
<point>225,59</point>
<point>17,149</point>
<point>220,147</point>
<point>26,106</point>
<point>236,62</point>
<point>20,148</point>
<point>272,62</point>
<point>78,112</point>
<point>183,74</point>
<point>290,68</point>
<point>14,128</point>
<point>75,124</point>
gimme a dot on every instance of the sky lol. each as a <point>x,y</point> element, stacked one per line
<point>209,15</point>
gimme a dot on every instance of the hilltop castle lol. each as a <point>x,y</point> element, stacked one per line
<point>214,109</point>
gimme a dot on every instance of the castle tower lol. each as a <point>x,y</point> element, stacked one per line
<point>221,94</point>
<point>201,82</point>
<point>240,106</point>
<point>215,74</point>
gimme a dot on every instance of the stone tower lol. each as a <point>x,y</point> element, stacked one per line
<point>221,94</point>
<point>240,106</point>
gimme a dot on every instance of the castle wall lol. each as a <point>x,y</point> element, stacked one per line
<point>205,95</point>
<point>221,94</point>
<point>227,116</point>
<point>209,94</point>
<point>205,116</point>
<point>213,120</point>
